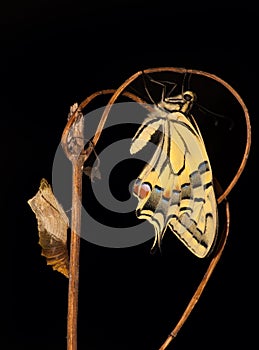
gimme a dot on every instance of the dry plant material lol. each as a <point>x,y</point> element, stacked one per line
<point>53,222</point>
<point>221,193</point>
<point>73,145</point>
<point>52,227</point>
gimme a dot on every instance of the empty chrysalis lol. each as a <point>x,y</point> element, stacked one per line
<point>52,227</point>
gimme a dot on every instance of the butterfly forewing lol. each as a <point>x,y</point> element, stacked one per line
<point>175,188</point>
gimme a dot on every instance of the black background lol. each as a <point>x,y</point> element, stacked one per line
<point>56,54</point>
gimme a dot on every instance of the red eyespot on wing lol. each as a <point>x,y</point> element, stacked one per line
<point>141,190</point>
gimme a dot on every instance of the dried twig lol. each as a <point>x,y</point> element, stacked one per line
<point>196,296</point>
<point>121,91</point>
<point>72,142</point>
<point>73,145</point>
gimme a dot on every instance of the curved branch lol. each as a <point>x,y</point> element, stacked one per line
<point>127,82</point>
<point>196,296</point>
<point>85,153</point>
<point>99,129</point>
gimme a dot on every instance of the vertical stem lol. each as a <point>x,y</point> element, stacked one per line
<point>74,257</point>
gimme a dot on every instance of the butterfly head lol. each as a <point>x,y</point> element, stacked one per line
<point>182,102</point>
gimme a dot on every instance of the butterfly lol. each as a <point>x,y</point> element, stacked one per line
<point>175,189</point>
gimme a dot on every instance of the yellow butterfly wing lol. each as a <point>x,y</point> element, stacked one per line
<point>175,189</point>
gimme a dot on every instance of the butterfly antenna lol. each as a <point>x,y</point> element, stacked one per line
<point>164,84</point>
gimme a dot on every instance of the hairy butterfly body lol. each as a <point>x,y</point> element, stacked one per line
<point>175,189</point>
